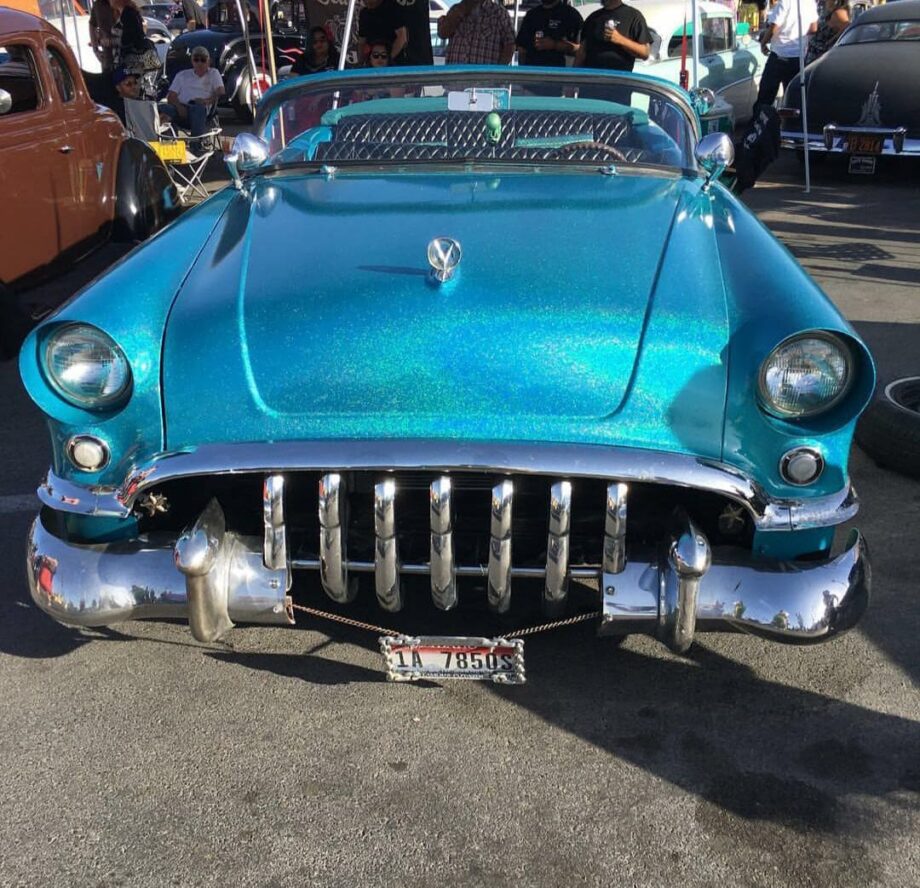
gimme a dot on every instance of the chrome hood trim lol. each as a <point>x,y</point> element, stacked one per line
<point>562,460</point>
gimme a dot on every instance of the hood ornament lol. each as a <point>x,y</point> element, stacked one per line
<point>871,110</point>
<point>444,256</point>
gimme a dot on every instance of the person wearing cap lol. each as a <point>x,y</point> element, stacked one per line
<point>193,93</point>
<point>127,86</point>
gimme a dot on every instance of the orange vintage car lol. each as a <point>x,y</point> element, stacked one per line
<point>70,177</point>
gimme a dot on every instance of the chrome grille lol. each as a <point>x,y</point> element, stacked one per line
<point>449,528</point>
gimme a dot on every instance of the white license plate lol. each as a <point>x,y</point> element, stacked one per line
<point>862,165</point>
<point>438,657</point>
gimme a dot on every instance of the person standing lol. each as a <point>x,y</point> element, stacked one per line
<point>101,19</point>
<point>548,34</point>
<point>194,15</point>
<point>418,27</point>
<point>833,22</point>
<point>479,32</point>
<point>383,21</point>
<point>613,38</point>
<point>780,42</point>
<point>128,40</point>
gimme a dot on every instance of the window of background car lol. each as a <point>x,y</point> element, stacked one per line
<point>882,32</point>
<point>509,117</point>
<point>18,76</point>
<point>61,74</point>
<point>718,36</point>
<point>290,15</point>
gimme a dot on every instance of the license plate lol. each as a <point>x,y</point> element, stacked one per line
<point>438,657</point>
<point>860,143</point>
<point>170,152</point>
<point>861,165</point>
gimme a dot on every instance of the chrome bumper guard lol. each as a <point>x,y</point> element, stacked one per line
<point>215,578</point>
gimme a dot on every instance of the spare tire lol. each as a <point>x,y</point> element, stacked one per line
<point>889,431</point>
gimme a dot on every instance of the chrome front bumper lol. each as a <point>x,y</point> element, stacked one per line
<point>214,578</point>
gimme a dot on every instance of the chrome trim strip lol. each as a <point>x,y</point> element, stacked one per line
<point>556,589</point>
<point>816,143</point>
<point>274,547</point>
<point>443,571</point>
<point>615,528</point>
<point>567,460</point>
<point>333,571</point>
<point>500,547</point>
<point>478,571</point>
<point>386,563</point>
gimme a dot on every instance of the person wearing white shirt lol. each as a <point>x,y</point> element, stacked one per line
<point>780,41</point>
<point>193,93</point>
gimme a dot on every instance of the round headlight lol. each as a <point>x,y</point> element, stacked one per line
<point>86,367</point>
<point>805,376</point>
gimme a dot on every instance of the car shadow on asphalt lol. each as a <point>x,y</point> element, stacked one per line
<point>754,748</point>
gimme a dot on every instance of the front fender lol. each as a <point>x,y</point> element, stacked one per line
<point>146,199</point>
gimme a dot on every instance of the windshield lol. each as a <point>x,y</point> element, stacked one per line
<point>882,32</point>
<point>495,116</point>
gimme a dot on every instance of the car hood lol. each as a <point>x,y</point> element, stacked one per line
<point>840,83</point>
<point>311,313</point>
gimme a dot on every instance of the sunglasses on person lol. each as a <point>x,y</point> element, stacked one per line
<point>319,38</point>
<point>380,55</point>
<point>199,58</point>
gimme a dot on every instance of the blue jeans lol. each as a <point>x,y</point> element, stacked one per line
<point>195,119</point>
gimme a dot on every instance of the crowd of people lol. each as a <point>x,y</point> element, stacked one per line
<point>477,32</point>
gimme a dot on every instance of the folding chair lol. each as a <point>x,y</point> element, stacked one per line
<point>184,156</point>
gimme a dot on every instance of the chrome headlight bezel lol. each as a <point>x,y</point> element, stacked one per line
<point>109,395</point>
<point>770,406</point>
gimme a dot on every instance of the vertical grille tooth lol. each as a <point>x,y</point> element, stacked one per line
<point>332,519</point>
<point>443,573</point>
<point>500,547</point>
<point>557,547</point>
<point>274,546</point>
<point>386,563</point>
<point>615,528</point>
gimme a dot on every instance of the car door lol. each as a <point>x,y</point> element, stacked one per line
<point>730,68</point>
<point>81,171</point>
<point>28,161</point>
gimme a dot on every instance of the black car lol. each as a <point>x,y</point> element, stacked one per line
<point>862,94</point>
<point>225,41</point>
<point>169,13</point>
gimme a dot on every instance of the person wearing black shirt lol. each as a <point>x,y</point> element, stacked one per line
<point>383,20</point>
<point>613,38</point>
<point>194,15</point>
<point>416,12</point>
<point>548,34</point>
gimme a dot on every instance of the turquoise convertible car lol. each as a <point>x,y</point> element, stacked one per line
<point>461,350</point>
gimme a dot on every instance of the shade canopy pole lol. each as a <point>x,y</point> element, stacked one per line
<point>349,22</point>
<point>695,43</point>
<point>254,86</point>
<point>804,102</point>
<point>270,40</point>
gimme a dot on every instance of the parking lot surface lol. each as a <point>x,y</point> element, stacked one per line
<point>135,756</point>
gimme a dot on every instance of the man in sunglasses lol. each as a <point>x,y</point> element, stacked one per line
<point>193,93</point>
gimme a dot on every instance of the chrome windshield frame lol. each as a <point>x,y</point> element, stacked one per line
<point>462,74</point>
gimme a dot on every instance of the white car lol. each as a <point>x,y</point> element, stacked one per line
<point>729,65</point>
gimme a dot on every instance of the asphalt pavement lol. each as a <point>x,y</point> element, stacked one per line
<point>135,756</point>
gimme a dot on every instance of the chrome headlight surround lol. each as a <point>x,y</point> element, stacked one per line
<point>778,395</point>
<point>86,367</point>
